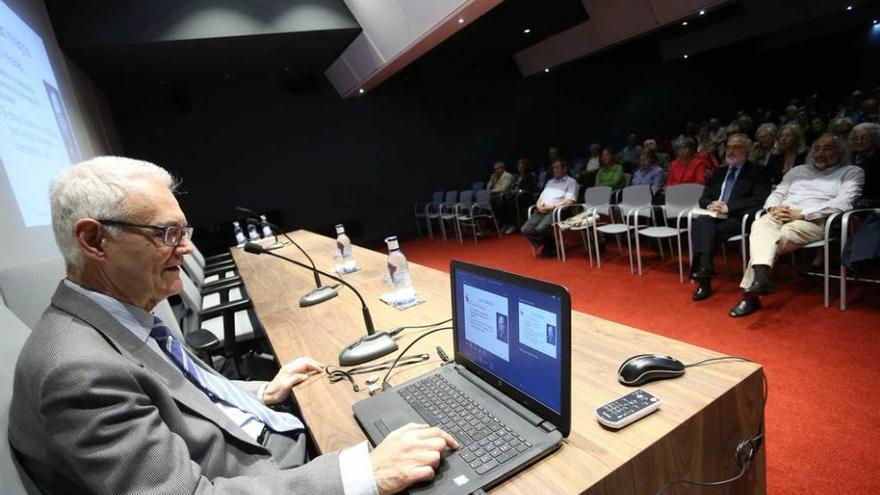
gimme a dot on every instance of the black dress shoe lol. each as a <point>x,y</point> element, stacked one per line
<point>701,293</point>
<point>762,287</point>
<point>745,307</point>
<point>701,273</point>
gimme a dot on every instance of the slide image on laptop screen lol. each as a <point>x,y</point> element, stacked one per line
<point>536,327</point>
<point>485,316</point>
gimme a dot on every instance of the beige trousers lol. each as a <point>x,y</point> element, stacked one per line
<point>770,238</point>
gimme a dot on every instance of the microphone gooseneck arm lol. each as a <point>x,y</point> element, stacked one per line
<point>255,248</point>
<point>303,251</point>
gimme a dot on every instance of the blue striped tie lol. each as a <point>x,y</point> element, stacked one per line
<point>218,387</point>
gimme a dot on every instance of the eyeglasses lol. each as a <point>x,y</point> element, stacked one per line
<point>172,235</point>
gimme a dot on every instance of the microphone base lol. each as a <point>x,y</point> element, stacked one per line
<point>367,348</point>
<point>317,296</point>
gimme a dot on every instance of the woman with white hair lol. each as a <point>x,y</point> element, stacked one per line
<point>765,141</point>
<point>790,151</point>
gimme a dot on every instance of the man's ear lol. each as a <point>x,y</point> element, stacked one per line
<point>90,237</point>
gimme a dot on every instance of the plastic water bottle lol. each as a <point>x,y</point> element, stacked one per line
<point>345,262</point>
<point>398,271</point>
<point>239,235</point>
<point>252,232</point>
<point>267,231</point>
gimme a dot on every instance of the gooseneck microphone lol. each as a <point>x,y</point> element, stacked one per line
<point>371,346</point>
<point>320,293</point>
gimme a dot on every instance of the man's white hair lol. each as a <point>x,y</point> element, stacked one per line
<point>96,188</point>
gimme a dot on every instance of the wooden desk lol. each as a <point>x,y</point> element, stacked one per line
<point>705,413</point>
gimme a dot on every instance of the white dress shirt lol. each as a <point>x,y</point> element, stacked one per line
<point>558,190</point>
<point>354,462</point>
<point>818,193</point>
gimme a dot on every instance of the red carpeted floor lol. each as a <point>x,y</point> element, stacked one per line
<point>822,364</point>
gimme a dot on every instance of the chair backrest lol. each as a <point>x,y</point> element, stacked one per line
<point>192,268</point>
<point>437,197</point>
<point>27,289</point>
<point>451,197</point>
<point>13,480</point>
<point>598,195</point>
<point>200,258</point>
<point>635,197</point>
<point>465,198</point>
<point>484,198</point>
<point>476,186</point>
<point>192,301</point>
<point>682,197</point>
<point>627,179</point>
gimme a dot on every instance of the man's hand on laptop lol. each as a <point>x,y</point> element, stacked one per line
<point>408,455</point>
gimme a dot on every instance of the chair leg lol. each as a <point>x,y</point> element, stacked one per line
<point>680,264</point>
<point>629,251</point>
<point>638,253</point>
<point>745,254</point>
<point>596,246</point>
<point>826,278</point>
<point>497,228</point>
<point>428,225</point>
<point>560,245</point>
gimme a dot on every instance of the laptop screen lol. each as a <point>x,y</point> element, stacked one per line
<point>508,326</point>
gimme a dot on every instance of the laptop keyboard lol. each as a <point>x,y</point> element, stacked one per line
<point>486,441</point>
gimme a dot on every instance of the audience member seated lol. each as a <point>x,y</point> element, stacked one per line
<point>717,134</point>
<point>649,173</point>
<point>499,183</point>
<point>765,141</point>
<point>790,152</point>
<point>587,175</point>
<point>796,214</point>
<point>687,168</point>
<point>817,128</point>
<point>865,140</point>
<point>706,150</point>
<point>842,126</point>
<point>105,400</point>
<point>629,155</point>
<point>561,190</point>
<point>662,157</point>
<point>736,189</point>
<point>520,196</point>
<point>610,174</point>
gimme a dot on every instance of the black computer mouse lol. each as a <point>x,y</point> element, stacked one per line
<point>646,368</point>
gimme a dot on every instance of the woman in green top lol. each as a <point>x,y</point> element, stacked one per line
<point>610,174</point>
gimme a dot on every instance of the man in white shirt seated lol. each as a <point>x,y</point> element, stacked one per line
<point>106,400</point>
<point>796,212</point>
<point>500,180</point>
<point>561,190</point>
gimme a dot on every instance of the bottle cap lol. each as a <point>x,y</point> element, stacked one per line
<point>392,243</point>
<point>340,229</point>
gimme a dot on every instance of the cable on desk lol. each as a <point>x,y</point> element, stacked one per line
<point>335,374</point>
<point>394,331</point>
<point>722,358</point>
<point>385,385</point>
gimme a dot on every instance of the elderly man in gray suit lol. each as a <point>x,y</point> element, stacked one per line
<point>106,400</point>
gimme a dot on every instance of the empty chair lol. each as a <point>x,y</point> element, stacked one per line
<point>477,186</point>
<point>432,211</point>
<point>680,200</point>
<point>421,212</point>
<point>462,208</point>
<point>446,211</point>
<point>632,198</point>
<point>207,262</point>
<point>593,196</point>
<point>480,210</point>
<point>223,274</point>
<point>230,318</point>
<point>844,236</point>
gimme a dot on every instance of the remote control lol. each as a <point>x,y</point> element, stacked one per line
<point>627,409</point>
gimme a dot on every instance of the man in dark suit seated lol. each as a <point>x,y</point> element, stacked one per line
<point>107,400</point>
<point>733,191</point>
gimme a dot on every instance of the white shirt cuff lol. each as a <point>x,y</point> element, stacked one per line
<point>260,393</point>
<point>357,471</point>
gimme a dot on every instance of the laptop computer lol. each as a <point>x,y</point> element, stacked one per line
<point>506,397</point>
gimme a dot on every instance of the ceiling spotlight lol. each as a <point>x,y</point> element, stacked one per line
<point>546,69</point>
<point>685,56</point>
<point>875,22</point>
<point>461,20</point>
<point>361,91</point>
<point>702,11</point>
<point>849,7</point>
<point>527,30</point>
<point>685,23</point>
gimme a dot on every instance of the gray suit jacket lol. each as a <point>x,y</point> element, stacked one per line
<point>94,410</point>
